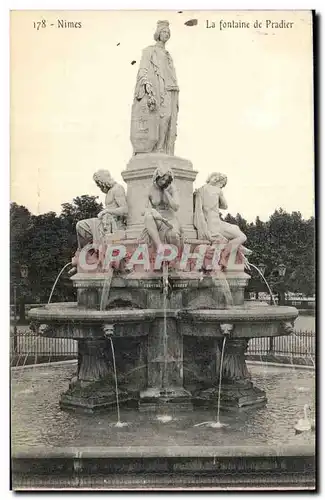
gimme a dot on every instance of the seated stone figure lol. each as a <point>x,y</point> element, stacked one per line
<point>160,219</point>
<point>109,221</point>
<point>209,199</point>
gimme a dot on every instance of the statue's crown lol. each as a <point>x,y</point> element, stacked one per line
<point>162,24</point>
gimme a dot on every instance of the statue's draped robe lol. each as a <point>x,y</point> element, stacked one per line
<point>156,67</point>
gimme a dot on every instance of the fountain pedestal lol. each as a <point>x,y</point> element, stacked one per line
<point>153,374</point>
<point>93,389</point>
<point>237,390</point>
<point>138,177</point>
<point>165,369</point>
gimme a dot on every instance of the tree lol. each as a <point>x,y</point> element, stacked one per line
<point>47,249</point>
<point>46,243</point>
<point>284,238</point>
<point>20,227</point>
<point>230,219</point>
<point>82,207</point>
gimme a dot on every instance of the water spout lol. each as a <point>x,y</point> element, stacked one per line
<point>217,424</point>
<point>222,281</point>
<point>263,278</point>
<point>164,382</point>
<point>164,418</point>
<point>57,279</point>
<point>118,423</point>
<point>106,289</point>
<point>165,334</point>
<point>220,378</point>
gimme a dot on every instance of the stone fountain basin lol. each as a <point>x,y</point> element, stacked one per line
<point>55,449</point>
<point>69,320</point>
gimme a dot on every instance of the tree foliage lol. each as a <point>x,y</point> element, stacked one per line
<point>285,238</point>
<point>82,207</point>
<point>45,243</point>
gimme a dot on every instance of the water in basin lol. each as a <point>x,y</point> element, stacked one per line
<point>38,421</point>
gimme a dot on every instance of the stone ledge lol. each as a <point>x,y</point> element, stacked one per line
<point>240,314</point>
<point>231,481</point>
<point>147,173</point>
<point>152,160</point>
<point>140,278</point>
<point>301,450</point>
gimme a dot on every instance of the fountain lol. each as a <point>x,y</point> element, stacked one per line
<point>155,397</point>
<point>160,284</point>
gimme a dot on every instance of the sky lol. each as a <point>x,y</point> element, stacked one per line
<point>246,104</point>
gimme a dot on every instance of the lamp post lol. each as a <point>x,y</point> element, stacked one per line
<point>23,268</point>
<point>282,271</point>
<point>262,268</point>
<point>24,271</point>
<point>15,319</point>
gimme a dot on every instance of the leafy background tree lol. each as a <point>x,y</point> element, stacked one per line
<point>285,238</point>
<point>45,243</point>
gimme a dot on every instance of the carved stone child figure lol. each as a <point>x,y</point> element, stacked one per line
<point>209,199</point>
<point>109,221</point>
<point>160,219</point>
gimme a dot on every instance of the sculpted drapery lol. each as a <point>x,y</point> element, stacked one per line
<point>155,105</point>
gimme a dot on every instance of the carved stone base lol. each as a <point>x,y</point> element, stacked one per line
<point>138,177</point>
<point>241,397</point>
<point>96,397</point>
<point>93,389</point>
<point>233,397</point>
<point>165,400</point>
<point>237,390</point>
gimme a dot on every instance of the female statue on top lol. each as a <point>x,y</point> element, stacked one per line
<point>155,105</point>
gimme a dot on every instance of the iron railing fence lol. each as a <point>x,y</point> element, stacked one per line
<point>296,348</point>
<point>27,348</point>
<point>301,343</point>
